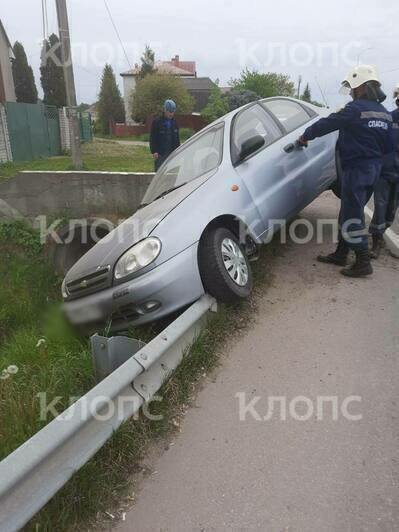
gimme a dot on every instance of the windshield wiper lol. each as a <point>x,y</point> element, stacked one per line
<point>161,195</point>
<point>168,190</point>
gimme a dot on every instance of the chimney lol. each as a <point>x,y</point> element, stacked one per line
<point>176,59</point>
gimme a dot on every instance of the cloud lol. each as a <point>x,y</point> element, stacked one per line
<point>313,39</point>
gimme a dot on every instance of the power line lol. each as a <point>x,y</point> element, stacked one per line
<point>321,91</point>
<point>46,16</point>
<point>389,71</point>
<point>117,33</point>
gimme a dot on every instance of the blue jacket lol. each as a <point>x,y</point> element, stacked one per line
<point>365,131</point>
<point>395,135</point>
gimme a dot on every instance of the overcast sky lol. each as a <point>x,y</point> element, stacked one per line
<point>319,40</point>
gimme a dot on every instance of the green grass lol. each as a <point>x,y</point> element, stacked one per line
<point>29,311</point>
<point>61,366</point>
<point>101,156</point>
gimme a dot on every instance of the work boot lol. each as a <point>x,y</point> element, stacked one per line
<point>339,257</point>
<point>361,267</point>
<point>378,242</point>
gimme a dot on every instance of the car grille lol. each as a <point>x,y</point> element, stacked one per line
<point>125,314</point>
<point>90,283</point>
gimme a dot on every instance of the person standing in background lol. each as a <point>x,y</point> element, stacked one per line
<point>386,192</point>
<point>164,137</point>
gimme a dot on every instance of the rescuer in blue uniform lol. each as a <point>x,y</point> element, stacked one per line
<point>164,137</point>
<point>386,192</point>
<point>364,139</point>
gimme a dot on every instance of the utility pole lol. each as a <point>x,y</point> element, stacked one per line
<point>74,126</point>
<point>299,87</point>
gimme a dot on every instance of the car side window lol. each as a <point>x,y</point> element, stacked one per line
<point>290,114</point>
<point>250,123</point>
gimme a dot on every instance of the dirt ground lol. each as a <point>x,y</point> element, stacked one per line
<point>317,335</point>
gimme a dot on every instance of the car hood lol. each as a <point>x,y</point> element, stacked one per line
<point>108,250</point>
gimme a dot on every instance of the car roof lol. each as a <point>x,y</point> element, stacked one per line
<point>229,116</point>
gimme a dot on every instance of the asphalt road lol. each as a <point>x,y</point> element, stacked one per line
<point>316,334</point>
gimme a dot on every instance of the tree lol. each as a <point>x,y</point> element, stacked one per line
<point>152,91</point>
<point>265,85</point>
<point>82,107</point>
<point>24,81</point>
<point>237,98</point>
<point>147,63</point>
<point>306,95</point>
<point>110,104</point>
<point>217,105</point>
<point>52,73</point>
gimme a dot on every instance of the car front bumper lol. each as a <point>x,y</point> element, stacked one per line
<point>163,290</point>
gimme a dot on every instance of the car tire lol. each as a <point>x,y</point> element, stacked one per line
<point>224,266</point>
<point>336,186</point>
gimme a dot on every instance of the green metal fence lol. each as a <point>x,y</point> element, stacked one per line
<point>86,130</point>
<point>34,130</point>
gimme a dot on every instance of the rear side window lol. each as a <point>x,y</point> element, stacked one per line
<point>250,123</point>
<point>291,115</point>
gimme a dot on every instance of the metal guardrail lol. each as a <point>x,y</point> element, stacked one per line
<point>33,473</point>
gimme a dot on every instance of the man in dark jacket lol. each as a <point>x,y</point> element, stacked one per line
<point>386,192</point>
<point>164,136</point>
<point>364,139</point>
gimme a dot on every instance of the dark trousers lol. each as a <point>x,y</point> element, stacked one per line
<point>158,163</point>
<point>386,202</point>
<point>357,188</point>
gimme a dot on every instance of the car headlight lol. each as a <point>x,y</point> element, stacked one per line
<point>138,257</point>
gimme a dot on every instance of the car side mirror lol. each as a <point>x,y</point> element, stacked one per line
<point>250,146</point>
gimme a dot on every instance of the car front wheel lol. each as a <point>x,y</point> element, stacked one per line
<point>224,266</point>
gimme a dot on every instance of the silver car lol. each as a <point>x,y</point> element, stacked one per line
<point>208,207</point>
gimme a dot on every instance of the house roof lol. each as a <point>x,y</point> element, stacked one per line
<point>198,83</point>
<point>163,67</point>
<point>189,66</point>
<point>3,31</point>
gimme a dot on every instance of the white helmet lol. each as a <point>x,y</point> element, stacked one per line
<point>358,76</point>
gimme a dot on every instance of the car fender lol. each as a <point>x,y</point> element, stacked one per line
<point>223,195</point>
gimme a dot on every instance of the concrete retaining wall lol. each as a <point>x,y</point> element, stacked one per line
<point>72,194</point>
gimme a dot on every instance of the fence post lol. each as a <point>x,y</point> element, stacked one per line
<point>64,130</point>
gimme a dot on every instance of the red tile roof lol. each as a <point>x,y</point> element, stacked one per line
<point>174,66</point>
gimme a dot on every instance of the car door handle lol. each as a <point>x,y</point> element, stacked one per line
<point>289,148</point>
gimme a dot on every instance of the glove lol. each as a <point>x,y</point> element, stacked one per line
<point>301,142</point>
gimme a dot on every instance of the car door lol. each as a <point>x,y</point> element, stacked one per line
<point>320,153</point>
<point>273,177</point>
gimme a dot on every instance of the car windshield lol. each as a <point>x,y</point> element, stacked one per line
<point>201,155</point>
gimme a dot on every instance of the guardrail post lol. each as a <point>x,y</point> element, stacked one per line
<point>110,353</point>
